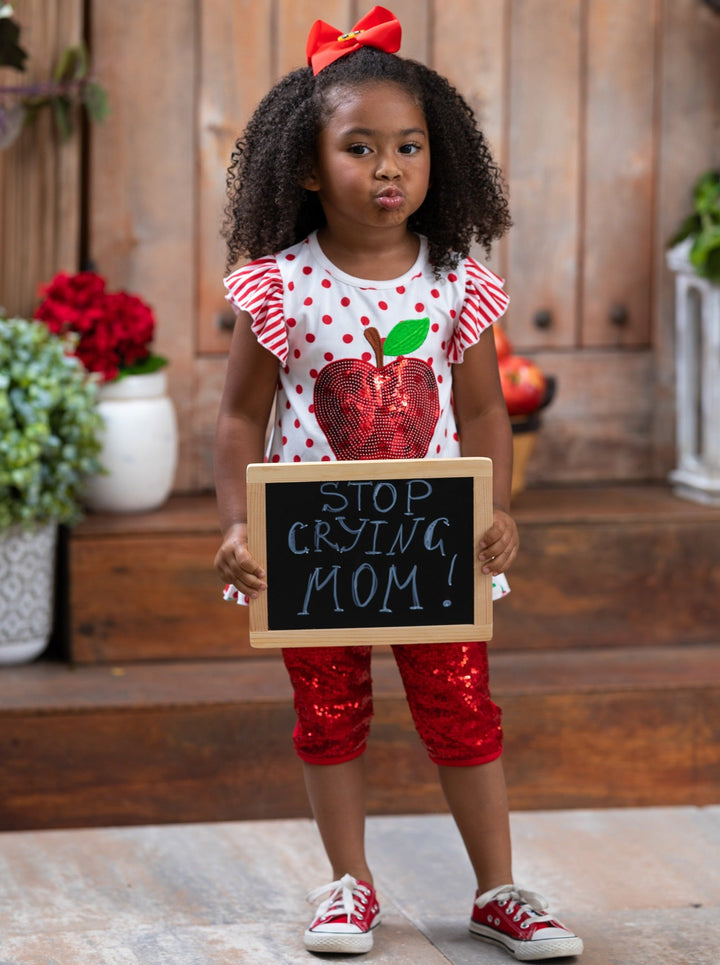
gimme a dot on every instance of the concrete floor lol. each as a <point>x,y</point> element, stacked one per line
<point>639,885</point>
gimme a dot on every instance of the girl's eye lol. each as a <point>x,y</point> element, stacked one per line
<point>410,148</point>
<point>359,150</point>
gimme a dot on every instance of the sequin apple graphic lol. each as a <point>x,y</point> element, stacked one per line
<point>380,411</point>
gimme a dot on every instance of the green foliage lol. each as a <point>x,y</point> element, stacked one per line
<point>703,227</point>
<point>70,84</point>
<point>49,426</point>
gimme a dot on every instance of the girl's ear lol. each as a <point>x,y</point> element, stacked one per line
<point>311,182</point>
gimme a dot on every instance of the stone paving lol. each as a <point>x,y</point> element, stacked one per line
<point>640,886</point>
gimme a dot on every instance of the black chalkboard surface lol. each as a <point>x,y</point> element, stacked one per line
<point>368,552</point>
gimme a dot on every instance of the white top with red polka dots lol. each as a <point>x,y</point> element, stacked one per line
<point>365,365</point>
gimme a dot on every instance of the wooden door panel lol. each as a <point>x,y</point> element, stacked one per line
<point>469,45</point>
<point>619,174</point>
<point>544,169</point>
<point>237,68</point>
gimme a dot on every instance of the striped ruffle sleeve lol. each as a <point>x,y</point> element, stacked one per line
<point>257,289</point>
<point>485,302</point>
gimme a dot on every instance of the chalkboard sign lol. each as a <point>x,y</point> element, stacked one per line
<point>370,551</point>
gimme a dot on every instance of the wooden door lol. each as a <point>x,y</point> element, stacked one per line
<point>601,112</point>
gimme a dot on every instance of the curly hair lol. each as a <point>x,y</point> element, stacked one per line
<point>268,208</point>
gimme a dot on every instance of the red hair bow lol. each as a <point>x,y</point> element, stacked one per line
<point>380,29</point>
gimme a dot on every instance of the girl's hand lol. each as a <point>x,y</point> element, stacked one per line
<point>235,564</point>
<point>499,545</point>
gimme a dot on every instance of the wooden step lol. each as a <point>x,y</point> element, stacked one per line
<point>600,566</point>
<point>211,740</point>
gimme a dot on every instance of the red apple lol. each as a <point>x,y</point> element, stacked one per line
<point>503,346</point>
<point>378,411</point>
<point>523,384</point>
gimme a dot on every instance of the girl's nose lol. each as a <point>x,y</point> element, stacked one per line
<point>387,168</point>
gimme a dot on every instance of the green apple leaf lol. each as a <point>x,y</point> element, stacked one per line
<point>406,336</point>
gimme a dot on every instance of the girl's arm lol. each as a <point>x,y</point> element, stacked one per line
<point>245,407</point>
<point>484,429</point>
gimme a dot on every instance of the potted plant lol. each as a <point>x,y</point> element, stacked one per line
<point>699,234</point>
<point>694,256</point>
<point>113,333</point>
<point>49,445</point>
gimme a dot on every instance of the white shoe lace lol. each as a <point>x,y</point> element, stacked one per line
<point>519,901</point>
<point>344,897</point>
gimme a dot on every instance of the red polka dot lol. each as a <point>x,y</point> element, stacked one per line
<point>367,356</point>
<point>296,458</point>
<point>307,270</point>
<point>287,403</point>
<point>345,301</point>
<point>347,339</point>
<point>328,356</point>
<point>291,286</point>
<point>309,443</point>
<point>452,277</point>
<point>308,301</point>
<point>326,283</point>
<point>455,436</point>
<point>291,322</point>
<point>276,458</point>
<point>309,337</point>
<point>453,313</point>
<point>289,257</point>
<point>435,327</point>
<point>284,440</point>
<point>435,293</point>
<point>438,449</point>
<point>327,319</point>
<point>400,289</point>
<point>442,346</point>
<point>311,409</point>
<point>364,320</point>
<point>296,423</point>
<point>296,353</point>
<point>298,389</point>
<point>440,378</point>
<point>313,373</point>
<point>383,306</point>
<point>325,459</point>
<point>419,307</point>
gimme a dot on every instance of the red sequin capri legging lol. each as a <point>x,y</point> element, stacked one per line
<point>447,691</point>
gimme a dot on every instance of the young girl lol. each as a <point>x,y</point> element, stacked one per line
<point>358,188</point>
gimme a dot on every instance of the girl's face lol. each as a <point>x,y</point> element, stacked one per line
<point>372,167</point>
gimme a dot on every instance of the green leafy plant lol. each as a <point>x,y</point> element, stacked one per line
<point>69,86</point>
<point>703,227</point>
<point>49,426</point>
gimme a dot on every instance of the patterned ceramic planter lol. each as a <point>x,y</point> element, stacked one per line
<point>27,573</point>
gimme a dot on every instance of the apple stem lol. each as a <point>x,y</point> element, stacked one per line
<point>373,337</point>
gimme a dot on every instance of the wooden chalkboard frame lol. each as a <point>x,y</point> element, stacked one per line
<point>259,476</point>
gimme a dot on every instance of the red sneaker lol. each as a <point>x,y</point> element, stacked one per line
<point>516,920</point>
<point>345,919</point>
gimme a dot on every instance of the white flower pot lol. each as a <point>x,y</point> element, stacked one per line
<point>27,579</point>
<point>140,443</point>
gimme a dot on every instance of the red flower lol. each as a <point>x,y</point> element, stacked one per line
<point>113,329</point>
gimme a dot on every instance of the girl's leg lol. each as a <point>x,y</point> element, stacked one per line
<point>333,700</point>
<point>449,697</point>
<point>337,798</point>
<point>478,801</point>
